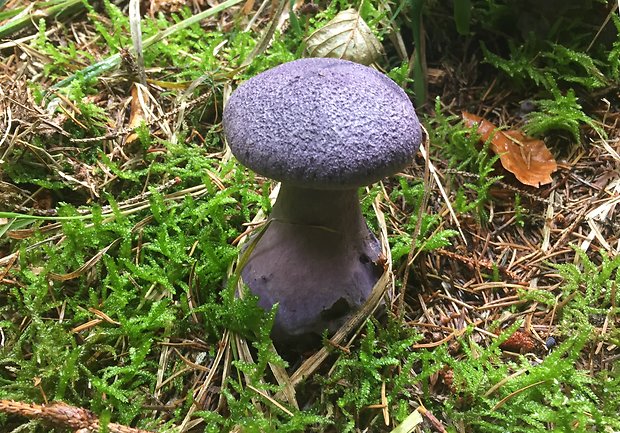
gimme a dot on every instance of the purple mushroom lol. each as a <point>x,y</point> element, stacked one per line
<point>323,127</point>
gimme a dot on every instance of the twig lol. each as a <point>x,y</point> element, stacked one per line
<point>61,414</point>
<point>474,263</point>
<point>432,419</point>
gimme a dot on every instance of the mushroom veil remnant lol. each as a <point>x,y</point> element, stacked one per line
<point>323,127</point>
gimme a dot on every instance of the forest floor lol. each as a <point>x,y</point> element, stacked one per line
<point>122,209</point>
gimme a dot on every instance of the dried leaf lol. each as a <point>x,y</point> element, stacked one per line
<point>247,7</point>
<point>519,342</point>
<point>348,37</point>
<point>137,113</point>
<point>527,158</point>
<point>85,267</point>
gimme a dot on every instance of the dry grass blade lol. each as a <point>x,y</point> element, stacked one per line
<point>601,214</point>
<point>103,316</point>
<point>182,104</point>
<point>314,362</point>
<point>265,41</point>
<point>270,399</point>
<point>444,195</point>
<point>8,122</point>
<point>418,227</point>
<point>84,326</point>
<point>204,387</point>
<point>517,392</point>
<point>259,223</point>
<point>283,379</point>
<point>454,334</point>
<point>502,382</point>
<point>384,403</point>
<point>136,38</point>
<point>612,12</point>
<point>242,349</point>
<point>246,8</point>
<point>85,267</point>
<point>410,423</point>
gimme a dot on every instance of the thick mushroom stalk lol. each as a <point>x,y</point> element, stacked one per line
<point>323,127</point>
<point>316,260</point>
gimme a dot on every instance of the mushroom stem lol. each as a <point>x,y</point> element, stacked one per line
<point>330,210</point>
<point>315,260</point>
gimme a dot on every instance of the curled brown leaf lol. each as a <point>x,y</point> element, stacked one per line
<point>527,158</point>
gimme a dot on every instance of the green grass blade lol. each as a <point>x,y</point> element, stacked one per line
<point>114,60</point>
<point>462,16</point>
<point>56,10</point>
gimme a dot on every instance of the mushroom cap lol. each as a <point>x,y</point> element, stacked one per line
<point>322,123</point>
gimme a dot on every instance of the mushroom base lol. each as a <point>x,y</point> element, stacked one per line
<point>316,260</point>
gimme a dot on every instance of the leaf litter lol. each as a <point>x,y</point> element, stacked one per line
<point>346,36</point>
<point>527,158</point>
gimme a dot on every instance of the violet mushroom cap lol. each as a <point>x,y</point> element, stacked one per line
<point>323,127</point>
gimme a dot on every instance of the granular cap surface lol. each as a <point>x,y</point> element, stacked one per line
<point>322,123</point>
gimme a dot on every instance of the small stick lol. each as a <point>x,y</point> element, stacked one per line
<point>61,414</point>
<point>437,425</point>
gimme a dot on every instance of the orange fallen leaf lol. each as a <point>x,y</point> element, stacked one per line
<point>137,112</point>
<point>527,158</point>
